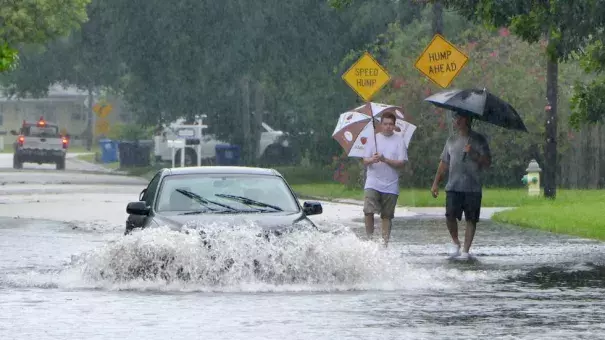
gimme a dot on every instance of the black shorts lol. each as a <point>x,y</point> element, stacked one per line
<point>468,202</point>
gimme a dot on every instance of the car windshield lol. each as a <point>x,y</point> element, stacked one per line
<point>206,193</point>
<point>40,131</point>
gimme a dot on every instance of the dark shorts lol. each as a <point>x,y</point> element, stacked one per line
<point>467,202</point>
<point>376,202</point>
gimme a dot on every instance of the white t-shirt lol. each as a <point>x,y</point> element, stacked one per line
<point>381,176</point>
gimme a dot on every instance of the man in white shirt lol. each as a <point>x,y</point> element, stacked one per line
<point>382,176</point>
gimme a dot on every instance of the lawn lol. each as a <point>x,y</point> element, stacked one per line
<point>417,197</point>
<point>573,212</point>
<point>90,157</point>
<point>582,217</point>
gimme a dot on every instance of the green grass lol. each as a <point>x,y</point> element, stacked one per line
<point>573,212</point>
<point>91,159</point>
<point>582,217</point>
<point>417,197</point>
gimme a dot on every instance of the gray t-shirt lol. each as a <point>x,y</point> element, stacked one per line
<point>464,176</point>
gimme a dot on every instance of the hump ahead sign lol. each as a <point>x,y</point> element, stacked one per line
<point>441,61</point>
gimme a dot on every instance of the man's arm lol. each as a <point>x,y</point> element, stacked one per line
<point>395,163</point>
<point>443,166</point>
<point>483,156</point>
<point>402,157</point>
<point>368,160</point>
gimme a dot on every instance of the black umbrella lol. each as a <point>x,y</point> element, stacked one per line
<point>481,105</point>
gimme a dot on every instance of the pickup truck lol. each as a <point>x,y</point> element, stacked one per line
<point>39,142</point>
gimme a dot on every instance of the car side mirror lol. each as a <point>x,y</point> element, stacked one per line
<point>137,208</point>
<point>14,133</point>
<point>142,194</point>
<point>312,208</point>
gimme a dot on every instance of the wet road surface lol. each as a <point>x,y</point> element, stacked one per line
<point>62,251</point>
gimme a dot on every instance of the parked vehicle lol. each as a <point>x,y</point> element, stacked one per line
<point>275,146</point>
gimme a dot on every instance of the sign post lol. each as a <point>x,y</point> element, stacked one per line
<point>441,61</point>
<point>366,77</point>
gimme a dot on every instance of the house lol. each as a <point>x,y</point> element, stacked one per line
<point>65,106</point>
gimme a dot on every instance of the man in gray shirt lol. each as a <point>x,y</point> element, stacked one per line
<point>464,156</point>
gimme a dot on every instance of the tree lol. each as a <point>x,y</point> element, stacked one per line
<point>82,58</point>
<point>587,103</point>
<point>565,25</point>
<point>35,21</point>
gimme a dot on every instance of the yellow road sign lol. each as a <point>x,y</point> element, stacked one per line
<point>102,110</point>
<point>441,61</point>
<point>366,77</point>
<point>102,127</point>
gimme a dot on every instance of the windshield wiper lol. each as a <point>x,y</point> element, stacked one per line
<point>210,211</point>
<point>249,201</point>
<point>203,201</point>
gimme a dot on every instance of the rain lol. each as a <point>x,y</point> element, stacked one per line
<point>99,96</point>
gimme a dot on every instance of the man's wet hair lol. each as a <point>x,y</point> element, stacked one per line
<point>389,115</point>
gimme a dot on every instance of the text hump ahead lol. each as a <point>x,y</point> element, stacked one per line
<point>441,61</point>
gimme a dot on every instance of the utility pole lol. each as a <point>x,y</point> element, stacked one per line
<point>550,127</point>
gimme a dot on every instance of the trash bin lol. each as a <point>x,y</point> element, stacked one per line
<point>109,151</point>
<point>227,154</point>
<point>134,153</point>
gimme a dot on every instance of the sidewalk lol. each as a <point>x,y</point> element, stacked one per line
<point>401,211</point>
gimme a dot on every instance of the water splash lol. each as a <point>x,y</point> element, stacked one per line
<point>240,258</point>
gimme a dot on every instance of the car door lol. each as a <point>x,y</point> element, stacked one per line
<point>148,196</point>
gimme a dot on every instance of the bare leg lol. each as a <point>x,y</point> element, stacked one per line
<point>369,220</point>
<point>452,226</point>
<point>469,235</point>
<point>386,230</point>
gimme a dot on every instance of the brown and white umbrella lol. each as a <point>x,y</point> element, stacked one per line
<point>356,129</point>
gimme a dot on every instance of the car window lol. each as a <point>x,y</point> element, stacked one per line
<point>40,131</point>
<point>152,188</point>
<point>267,189</point>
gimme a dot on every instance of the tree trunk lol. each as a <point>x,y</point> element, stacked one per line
<point>247,143</point>
<point>437,26</point>
<point>259,108</point>
<point>437,17</point>
<point>89,124</point>
<point>550,125</point>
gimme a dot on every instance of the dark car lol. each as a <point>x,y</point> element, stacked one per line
<point>236,194</point>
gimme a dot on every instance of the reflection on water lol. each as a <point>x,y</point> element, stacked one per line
<point>57,282</point>
<point>577,276</point>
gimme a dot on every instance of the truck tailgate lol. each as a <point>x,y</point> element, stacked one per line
<point>43,143</point>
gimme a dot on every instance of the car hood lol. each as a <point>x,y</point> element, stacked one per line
<point>268,221</point>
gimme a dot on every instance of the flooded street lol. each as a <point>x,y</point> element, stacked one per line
<point>65,266</point>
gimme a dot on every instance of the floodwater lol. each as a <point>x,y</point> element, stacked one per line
<point>64,281</point>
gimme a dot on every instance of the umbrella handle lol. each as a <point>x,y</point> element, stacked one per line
<point>374,127</point>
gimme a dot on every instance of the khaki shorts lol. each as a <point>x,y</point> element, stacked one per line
<point>376,202</point>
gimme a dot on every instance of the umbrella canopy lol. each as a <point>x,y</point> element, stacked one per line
<point>356,129</point>
<point>481,105</point>
<point>353,132</point>
<point>402,128</point>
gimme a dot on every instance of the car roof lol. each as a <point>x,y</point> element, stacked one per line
<point>231,170</point>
